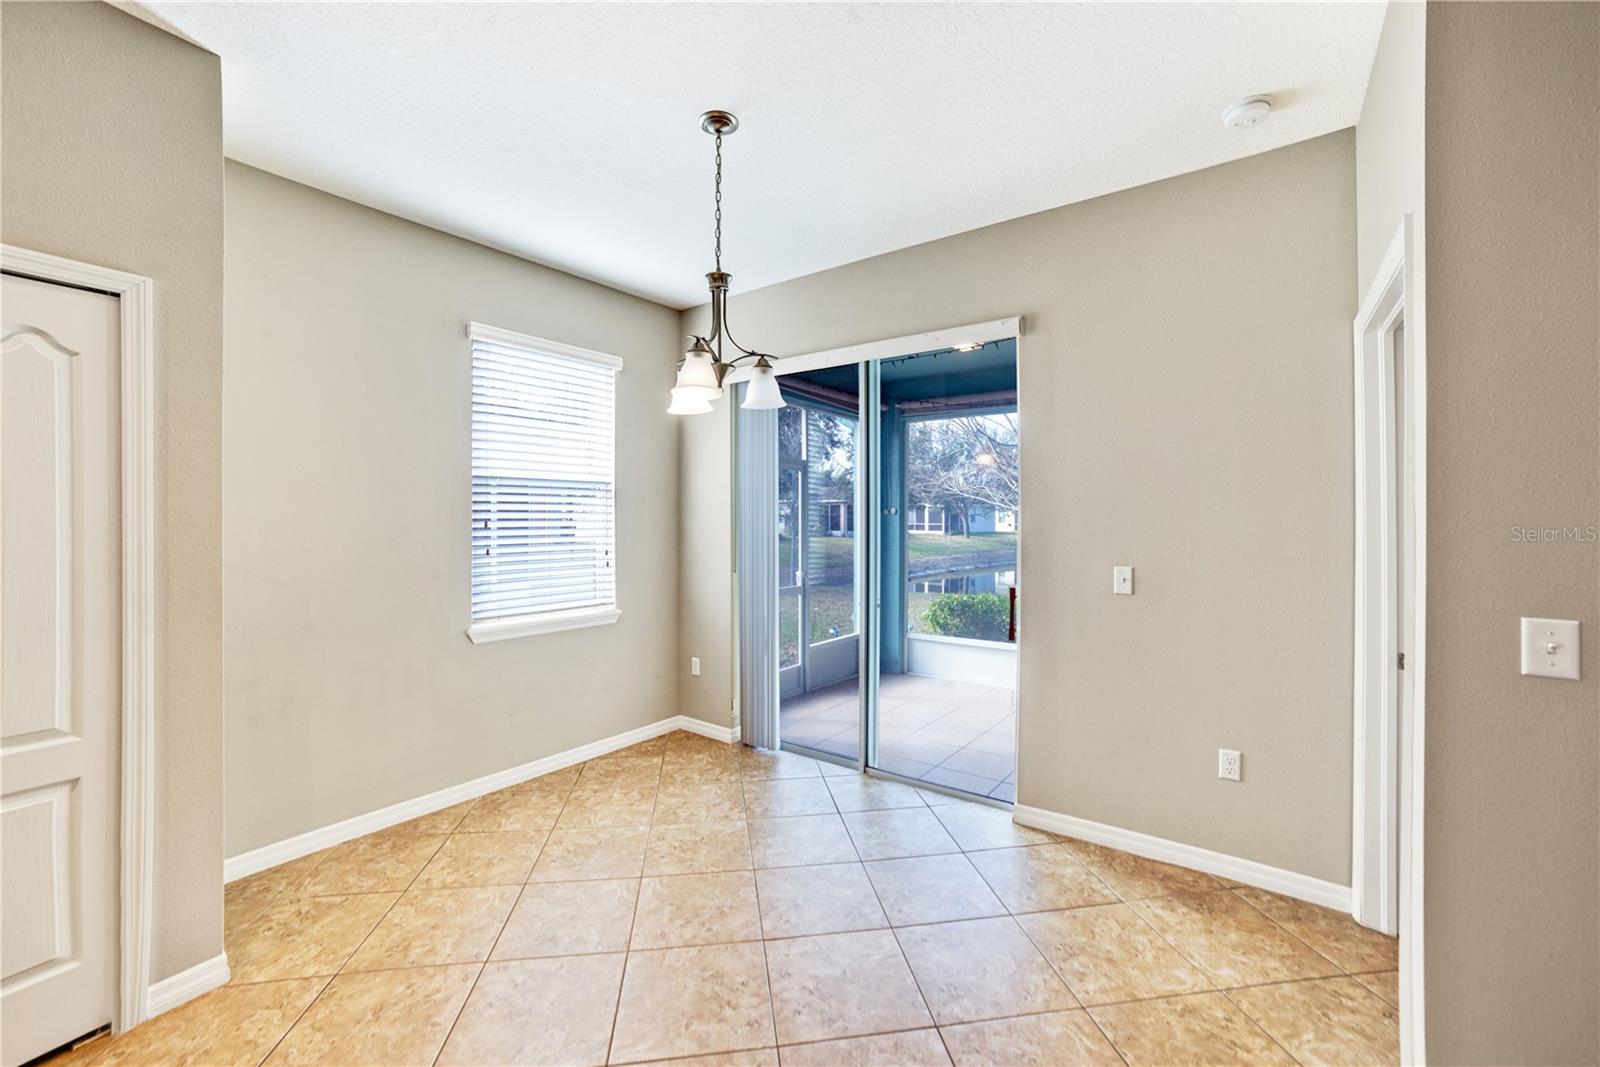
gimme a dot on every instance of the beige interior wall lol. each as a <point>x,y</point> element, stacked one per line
<point>351,683</point>
<point>1512,907</point>
<point>1185,391</point>
<point>1390,139</point>
<point>112,155</point>
<point>705,566</point>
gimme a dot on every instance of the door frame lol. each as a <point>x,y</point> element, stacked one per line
<point>867,518</point>
<point>1387,812</point>
<point>136,796</point>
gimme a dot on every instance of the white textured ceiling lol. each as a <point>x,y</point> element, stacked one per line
<point>568,133</point>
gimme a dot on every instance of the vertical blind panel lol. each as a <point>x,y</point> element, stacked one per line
<point>543,481</point>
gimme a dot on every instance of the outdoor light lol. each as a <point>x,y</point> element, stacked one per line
<point>704,367</point>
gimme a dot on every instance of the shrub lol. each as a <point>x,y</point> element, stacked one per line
<point>983,616</point>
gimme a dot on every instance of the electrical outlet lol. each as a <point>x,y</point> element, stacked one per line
<point>694,666</point>
<point>1228,764</point>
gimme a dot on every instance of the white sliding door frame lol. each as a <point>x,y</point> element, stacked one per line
<point>136,801</point>
<point>976,333</point>
<point>867,523</point>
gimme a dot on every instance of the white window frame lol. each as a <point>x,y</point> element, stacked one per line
<point>526,625</point>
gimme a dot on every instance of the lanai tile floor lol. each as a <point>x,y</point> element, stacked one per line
<point>955,734</point>
<point>688,898</point>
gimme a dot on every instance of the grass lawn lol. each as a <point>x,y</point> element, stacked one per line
<point>831,607</point>
<point>832,586</point>
<point>836,552</point>
<point>938,546</point>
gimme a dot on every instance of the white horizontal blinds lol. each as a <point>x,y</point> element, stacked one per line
<point>543,480</point>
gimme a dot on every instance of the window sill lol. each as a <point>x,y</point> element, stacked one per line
<point>503,629</point>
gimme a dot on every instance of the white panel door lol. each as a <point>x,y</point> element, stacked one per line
<point>60,658</point>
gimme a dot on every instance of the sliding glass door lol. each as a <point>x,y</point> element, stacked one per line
<point>819,587</point>
<point>895,590</point>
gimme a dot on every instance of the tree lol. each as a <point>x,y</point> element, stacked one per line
<point>964,462</point>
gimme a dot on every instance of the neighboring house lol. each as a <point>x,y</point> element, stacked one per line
<point>925,518</point>
<point>930,518</point>
<point>836,518</point>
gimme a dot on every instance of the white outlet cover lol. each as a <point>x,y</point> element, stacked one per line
<point>694,665</point>
<point>1550,648</point>
<point>1229,763</point>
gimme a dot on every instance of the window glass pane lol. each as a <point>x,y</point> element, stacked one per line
<point>830,524</point>
<point>788,630</point>
<point>790,422</point>
<point>543,478</point>
<point>788,527</point>
<point>961,525</point>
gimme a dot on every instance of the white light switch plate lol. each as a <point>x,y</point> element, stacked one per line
<point>1550,648</point>
<point>1122,580</point>
<point>694,666</point>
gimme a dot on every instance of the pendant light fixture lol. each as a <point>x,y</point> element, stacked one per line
<point>705,364</point>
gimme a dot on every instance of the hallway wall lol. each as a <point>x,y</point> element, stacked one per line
<point>112,155</point>
<point>1512,832</point>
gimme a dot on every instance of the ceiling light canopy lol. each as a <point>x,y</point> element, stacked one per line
<point>705,363</point>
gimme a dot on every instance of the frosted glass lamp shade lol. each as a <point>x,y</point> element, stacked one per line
<point>762,392</point>
<point>697,371</point>
<point>690,401</point>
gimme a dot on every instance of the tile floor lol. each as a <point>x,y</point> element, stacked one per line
<point>685,898</point>
<point>955,734</point>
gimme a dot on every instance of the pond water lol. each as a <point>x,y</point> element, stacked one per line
<point>973,580</point>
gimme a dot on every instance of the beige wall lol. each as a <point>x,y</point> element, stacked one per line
<point>705,565</point>
<point>351,682</point>
<point>1389,139</point>
<point>1512,908</point>
<point>112,154</point>
<point>1186,408</point>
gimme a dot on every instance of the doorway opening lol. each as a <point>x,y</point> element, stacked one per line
<point>898,512</point>
<point>951,513</point>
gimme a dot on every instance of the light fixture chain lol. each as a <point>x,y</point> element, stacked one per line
<point>717,254</point>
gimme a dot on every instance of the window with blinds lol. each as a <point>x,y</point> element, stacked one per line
<point>543,485</point>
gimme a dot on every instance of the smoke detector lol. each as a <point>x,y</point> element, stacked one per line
<point>1245,114</point>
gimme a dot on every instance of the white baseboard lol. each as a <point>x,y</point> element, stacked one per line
<point>1260,875</point>
<point>184,986</point>
<point>259,859</point>
<point>707,729</point>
